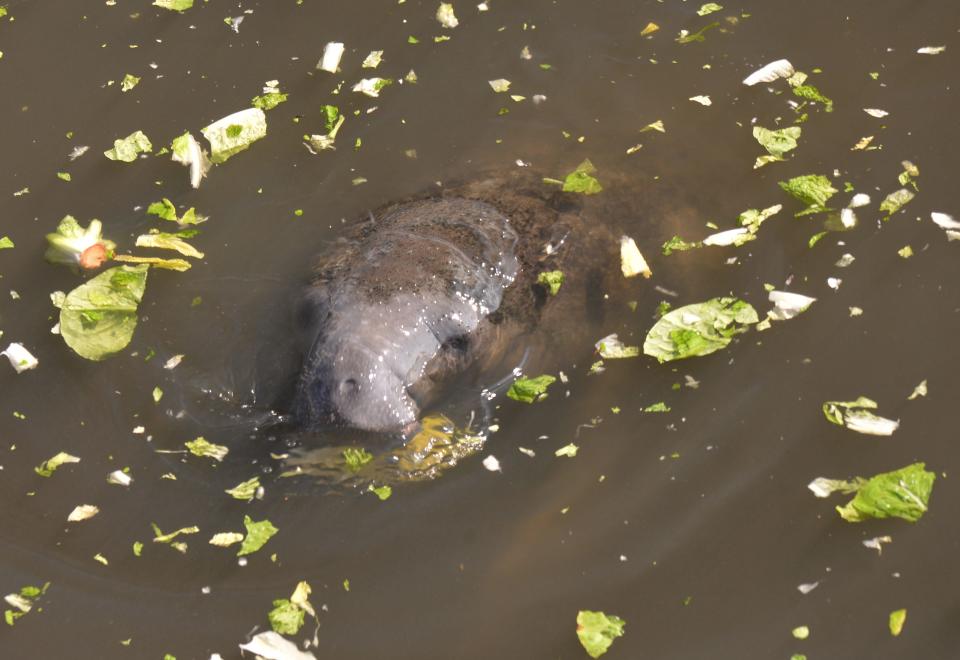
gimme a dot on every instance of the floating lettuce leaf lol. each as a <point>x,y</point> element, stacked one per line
<point>752,218</point>
<point>552,280</point>
<point>856,416</point>
<point>186,150</point>
<point>258,533</point>
<point>49,466</point>
<point>632,262</point>
<point>896,201</point>
<point>333,121</point>
<point>811,93</point>
<point>812,189</point>
<point>174,5</point>
<point>597,631</point>
<point>160,537</point>
<point>736,237</point>
<point>770,72</point>
<point>245,490</point>
<point>610,347</point>
<point>698,329</point>
<point>178,265</point>
<point>903,493</point>
<point>372,86</point>
<point>129,148</point>
<point>897,619</point>
<point>383,492</point>
<point>165,210</point>
<point>201,447</point>
<point>271,646</point>
<point>98,318</point>
<point>777,143</point>
<point>5,243</point>
<point>677,244</point>
<point>285,617</point>
<point>709,8</point>
<point>356,457</point>
<point>529,390</point>
<point>787,305</point>
<point>268,101</point>
<point>446,16</point>
<point>129,82</point>
<point>22,601</point>
<point>686,38</point>
<point>75,246</point>
<point>234,133</point>
<point>164,241</point>
<point>581,180</point>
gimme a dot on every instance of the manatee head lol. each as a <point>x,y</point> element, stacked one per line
<point>347,384</point>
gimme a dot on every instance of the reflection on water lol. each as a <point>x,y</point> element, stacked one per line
<point>438,445</point>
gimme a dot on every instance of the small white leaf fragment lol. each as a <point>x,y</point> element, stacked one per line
<point>372,61</point>
<point>20,358</point>
<point>569,450</point>
<point>876,543</point>
<point>499,85</point>
<point>919,390</point>
<point>701,99</point>
<point>632,262</point>
<point>610,347</point>
<point>271,646</point>
<point>234,133</point>
<point>119,478</point>
<point>769,73</point>
<point>729,237</point>
<point>876,112</point>
<point>858,200</point>
<point>931,50</point>
<point>332,53</point>
<point>371,86</point>
<point>446,16</point>
<point>491,463</point>
<point>807,587</point>
<point>824,487</point>
<point>83,512</point>
<point>944,221</point>
<point>186,150</point>
<point>225,539</point>
<point>787,305</point>
<point>848,218</point>
<point>527,452</point>
<point>173,362</point>
<point>834,283</point>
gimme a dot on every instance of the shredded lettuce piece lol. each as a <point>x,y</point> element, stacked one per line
<point>127,149</point>
<point>20,358</point>
<point>812,189</point>
<point>610,347</point>
<point>356,457</point>
<point>23,600</point>
<point>129,82</point>
<point>49,466</point>
<point>332,53</point>
<point>896,201</point>
<point>709,8</point>
<point>903,493</point>
<point>530,390</point>
<point>285,617</point>
<point>632,262</point>
<point>372,86</point>
<point>686,38</point>
<point>202,447</point>
<point>770,73</point>
<point>677,244</point>
<point>97,319</point>
<point>777,143</point>
<point>245,490</point>
<point>174,5</point>
<point>383,492</point>
<point>698,329</point>
<point>446,17</point>
<point>581,180</point>
<point>897,619</point>
<point>258,533</point>
<point>597,631</point>
<point>6,243</point>
<point>856,416</point>
<point>186,150</point>
<point>271,646</point>
<point>164,241</point>
<point>178,265</point>
<point>552,280</point>
<point>234,133</point>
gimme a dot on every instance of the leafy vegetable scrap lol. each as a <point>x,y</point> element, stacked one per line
<point>530,390</point>
<point>777,143</point>
<point>698,329</point>
<point>77,247</point>
<point>174,5</point>
<point>127,149</point>
<point>287,614</point>
<point>580,180</point>
<point>856,416</point>
<point>235,133</point>
<point>98,318</point>
<point>903,493</point>
<point>187,151</point>
<point>23,602</point>
<point>49,466</point>
<point>552,280</point>
<point>632,262</point>
<point>812,189</point>
<point>597,631</point>
<point>258,533</point>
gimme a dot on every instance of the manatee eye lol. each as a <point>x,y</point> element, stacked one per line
<point>348,387</point>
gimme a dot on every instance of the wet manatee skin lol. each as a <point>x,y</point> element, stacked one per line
<point>397,304</point>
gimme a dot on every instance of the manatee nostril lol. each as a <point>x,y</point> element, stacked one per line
<point>348,386</point>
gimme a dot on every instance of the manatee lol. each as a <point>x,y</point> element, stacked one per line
<point>439,285</point>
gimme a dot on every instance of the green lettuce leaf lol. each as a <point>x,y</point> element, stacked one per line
<point>552,280</point>
<point>234,133</point>
<point>581,180</point>
<point>698,35</point>
<point>897,619</point>
<point>202,447</point>
<point>856,416</point>
<point>179,265</point>
<point>903,493</point>
<point>5,243</point>
<point>529,390</point>
<point>77,247</point>
<point>174,5</point>
<point>97,319</point>
<point>245,490</point>
<point>285,617</point>
<point>356,458</point>
<point>777,143</point>
<point>812,189</point>
<point>677,244</point>
<point>127,149</point>
<point>164,241</point>
<point>709,8</point>
<point>129,82</point>
<point>698,329</point>
<point>597,631</point>
<point>49,466</point>
<point>896,201</point>
<point>258,533</point>
<point>269,101</point>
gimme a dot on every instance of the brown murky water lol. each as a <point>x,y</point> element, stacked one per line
<point>695,525</point>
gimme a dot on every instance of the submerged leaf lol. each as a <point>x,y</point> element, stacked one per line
<point>903,493</point>
<point>529,390</point>
<point>597,631</point>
